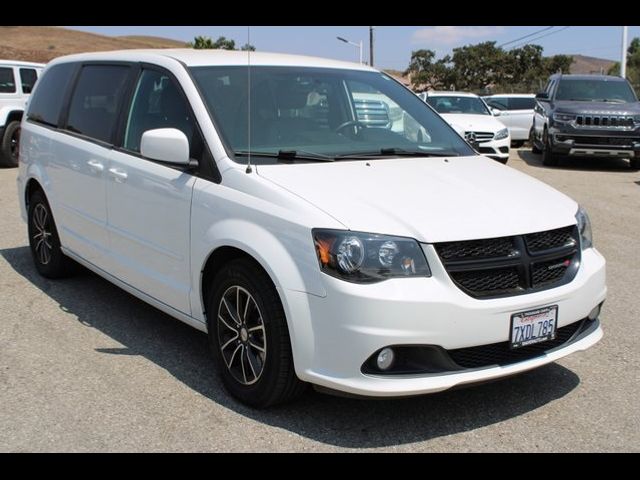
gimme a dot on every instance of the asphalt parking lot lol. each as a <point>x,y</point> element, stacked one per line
<point>86,367</point>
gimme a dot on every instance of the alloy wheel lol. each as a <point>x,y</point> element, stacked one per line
<point>42,234</point>
<point>241,335</point>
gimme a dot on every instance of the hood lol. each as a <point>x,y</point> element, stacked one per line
<point>597,108</point>
<point>473,123</point>
<point>429,199</point>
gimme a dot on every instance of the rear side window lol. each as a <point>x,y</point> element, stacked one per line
<point>522,103</point>
<point>7,82</point>
<point>46,101</point>
<point>94,104</point>
<point>501,103</point>
<point>28,77</point>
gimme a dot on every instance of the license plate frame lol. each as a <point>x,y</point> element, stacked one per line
<point>528,327</point>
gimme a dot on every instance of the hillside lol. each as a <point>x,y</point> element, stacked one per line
<point>41,44</point>
<point>583,64</point>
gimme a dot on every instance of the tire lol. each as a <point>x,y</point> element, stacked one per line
<point>634,163</point>
<point>253,353</point>
<point>10,143</point>
<point>44,240</point>
<point>517,143</point>
<point>548,158</point>
<point>534,148</point>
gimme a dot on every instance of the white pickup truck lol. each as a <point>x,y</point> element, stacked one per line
<point>16,82</point>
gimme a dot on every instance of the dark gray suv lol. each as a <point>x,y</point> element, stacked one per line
<point>586,115</point>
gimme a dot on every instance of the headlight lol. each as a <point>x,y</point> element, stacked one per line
<point>563,117</point>
<point>367,257</point>
<point>584,227</point>
<point>504,133</point>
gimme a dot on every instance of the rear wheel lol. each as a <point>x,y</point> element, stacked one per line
<point>44,240</point>
<point>548,158</point>
<point>249,336</point>
<point>634,163</point>
<point>10,145</point>
<point>517,143</point>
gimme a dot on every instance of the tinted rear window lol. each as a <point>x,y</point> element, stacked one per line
<point>46,101</point>
<point>95,100</point>
<point>28,79</point>
<point>521,103</point>
<point>7,82</point>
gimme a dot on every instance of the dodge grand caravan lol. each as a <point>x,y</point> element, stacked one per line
<point>258,204</point>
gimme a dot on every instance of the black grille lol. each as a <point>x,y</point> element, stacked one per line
<point>582,140</point>
<point>605,121</point>
<point>544,273</point>
<point>487,248</point>
<point>488,281</point>
<point>561,237</point>
<point>515,265</point>
<point>502,354</point>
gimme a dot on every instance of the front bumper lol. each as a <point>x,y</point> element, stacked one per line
<point>496,149</point>
<point>353,321</point>
<point>568,140</point>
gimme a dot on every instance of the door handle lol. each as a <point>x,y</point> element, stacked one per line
<point>95,166</point>
<point>119,176</point>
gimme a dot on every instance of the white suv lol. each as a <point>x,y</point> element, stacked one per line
<point>516,112</point>
<point>258,205</point>
<point>467,112</point>
<point>16,82</point>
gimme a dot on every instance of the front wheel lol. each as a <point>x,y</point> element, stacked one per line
<point>249,336</point>
<point>10,145</point>
<point>548,158</point>
<point>532,141</point>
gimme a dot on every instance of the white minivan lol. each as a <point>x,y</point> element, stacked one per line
<point>316,246</point>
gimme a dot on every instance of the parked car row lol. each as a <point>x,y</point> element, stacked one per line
<point>575,115</point>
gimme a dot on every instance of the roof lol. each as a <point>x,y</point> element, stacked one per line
<point>207,57</point>
<point>610,78</point>
<point>446,93</point>
<point>514,95</point>
<point>18,63</point>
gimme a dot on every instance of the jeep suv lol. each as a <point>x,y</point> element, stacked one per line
<point>262,205</point>
<point>586,115</point>
<point>16,82</point>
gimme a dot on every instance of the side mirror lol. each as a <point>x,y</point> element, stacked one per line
<point>168,145</point>
<point>544,96</point>
<point>496,112</point>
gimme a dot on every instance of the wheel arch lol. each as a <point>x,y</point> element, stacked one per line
<point>10,114</point>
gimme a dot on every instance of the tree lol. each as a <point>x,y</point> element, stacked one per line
<point>633,65</point>
<point>558,63</point>
<point>201,42</point>
<point>425,73</point>
<point>477,66</point>
<point>222,43</point>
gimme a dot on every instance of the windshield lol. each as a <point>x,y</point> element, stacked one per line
<point>595,91</point>
<point>321,113</point>
<point>453,104</point>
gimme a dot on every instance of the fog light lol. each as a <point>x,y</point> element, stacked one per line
<point>385,359</point>
<point>593,314</point>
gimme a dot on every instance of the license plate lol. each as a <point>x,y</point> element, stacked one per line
<point>533,326</point>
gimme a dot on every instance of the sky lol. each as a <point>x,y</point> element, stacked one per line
<point>393,45</point>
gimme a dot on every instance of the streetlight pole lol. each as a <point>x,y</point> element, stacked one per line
<point>623,60</point>
<point>371,46</point>
<point>359,45</point>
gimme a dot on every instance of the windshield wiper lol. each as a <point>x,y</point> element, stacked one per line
<point>396,152</point>
<point>287,155</point>
<point>610,100</point>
